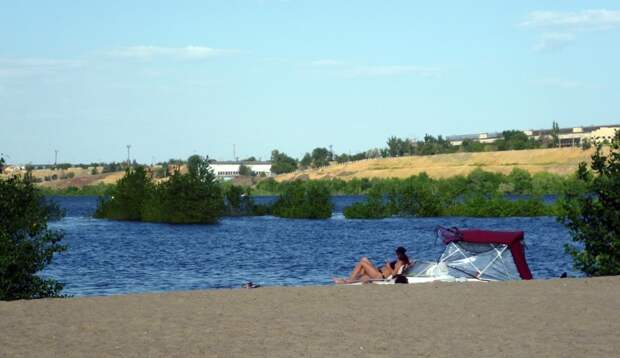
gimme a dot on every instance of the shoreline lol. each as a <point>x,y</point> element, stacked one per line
<point>559,317</point>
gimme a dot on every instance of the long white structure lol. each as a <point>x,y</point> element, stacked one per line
<point>229,170</point>
<point>569,137</point>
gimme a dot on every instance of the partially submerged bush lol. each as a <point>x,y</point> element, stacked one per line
<point>190,198</point>
<point>304,200</point>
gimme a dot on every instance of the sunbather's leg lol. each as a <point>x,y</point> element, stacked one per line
<point>365,268</point>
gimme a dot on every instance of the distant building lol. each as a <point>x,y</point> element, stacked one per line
<point>228,170</point>
<point>569,137</point>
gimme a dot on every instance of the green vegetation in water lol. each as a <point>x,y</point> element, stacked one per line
<point>480,194</point>
<point>190,198</point>
<point>309,200</point>
<point>26,243</point>
<point>518,182</point>
<point>89,190</point>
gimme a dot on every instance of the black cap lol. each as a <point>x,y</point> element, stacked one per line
<point>401,250</point>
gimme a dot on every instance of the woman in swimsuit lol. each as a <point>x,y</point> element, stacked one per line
<point>365,271</point>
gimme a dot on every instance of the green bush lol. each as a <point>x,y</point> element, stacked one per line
<point>127,199</point>
<point>26,243</point>
<point>373,208</point>
<point>591,211</point>
<point>307,200</point>
<point>190,198</point>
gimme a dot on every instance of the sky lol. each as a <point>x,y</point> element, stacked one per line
<point>176,78</point>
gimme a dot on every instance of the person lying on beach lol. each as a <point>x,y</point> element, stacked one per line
<point>365,271</point>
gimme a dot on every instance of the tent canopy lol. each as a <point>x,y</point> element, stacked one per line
<point>513,240</point>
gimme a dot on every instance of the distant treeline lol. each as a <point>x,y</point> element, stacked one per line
<point>430,145</point>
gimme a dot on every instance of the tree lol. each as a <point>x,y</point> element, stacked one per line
<point>250,159</point>
<point>555,135</point>
<point>26,243</point>
<point>126,200</point>
<point>591,211</point>
<point>306,161</point>
<point>304,200</point>
<point>320,157</point>
<point>244,170</point>
<point>2,163</point>
<point>394,146</point>
<point>192,198</point>
<point>282,163</point>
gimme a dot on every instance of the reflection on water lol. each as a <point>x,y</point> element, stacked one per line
<point>111,257</point>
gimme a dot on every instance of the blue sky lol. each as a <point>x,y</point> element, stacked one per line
<point>177,78</point>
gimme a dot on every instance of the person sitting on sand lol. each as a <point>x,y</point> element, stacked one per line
<point>365,271</point>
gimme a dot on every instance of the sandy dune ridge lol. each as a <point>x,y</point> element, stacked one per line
<point>552,318</point>
<point>563,161</point>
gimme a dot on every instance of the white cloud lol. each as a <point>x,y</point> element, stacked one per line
<point>586,19</point>
<point>153,52</point>
<point>553,42</point>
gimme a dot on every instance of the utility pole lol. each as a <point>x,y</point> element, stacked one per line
<point>331,152</point>
<point>234,152</point>
<point>128,155</point>
<point>55,158</point>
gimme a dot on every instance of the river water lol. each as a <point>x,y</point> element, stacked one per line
<point>110,257</point>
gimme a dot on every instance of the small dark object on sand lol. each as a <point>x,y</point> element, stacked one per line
<point>400,279</point>
<point>564,275</point>
<point>250,284</point>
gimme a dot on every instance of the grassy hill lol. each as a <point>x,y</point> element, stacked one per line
<point>562,161</point>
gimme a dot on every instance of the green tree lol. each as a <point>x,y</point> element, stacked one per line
<point>282,163</point>
<point>555,135</point>
<point>2,163</point>
<point>304,200</point>
<point>192,198</point>
<point>394,146</point>
<point>126,200</point>
<point>26,243</point>
<point>244,170</point>
<point>306,161</point>
<point>593,215</point>
<point>320,157</point>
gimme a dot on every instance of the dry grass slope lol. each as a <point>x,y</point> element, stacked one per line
<point>562,161</point>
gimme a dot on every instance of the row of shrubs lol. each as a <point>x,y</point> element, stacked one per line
<point>518,181</point>
<point>196,197</point>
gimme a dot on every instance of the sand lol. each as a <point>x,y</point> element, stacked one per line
<point>554,318</point>
<point>562,161</point>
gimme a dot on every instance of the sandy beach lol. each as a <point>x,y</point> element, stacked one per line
<point>554,318</point>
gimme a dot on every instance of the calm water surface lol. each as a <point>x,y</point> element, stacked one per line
<point>111,257</point>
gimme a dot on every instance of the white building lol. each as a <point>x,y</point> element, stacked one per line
<point>569,137</point>
<point>229,170</point>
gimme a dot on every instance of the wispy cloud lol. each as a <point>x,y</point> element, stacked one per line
<point>20,67</point>
<point>576,20</point>
<point>559,27</point>
<point>155,52</point>
<point>553,42</point>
